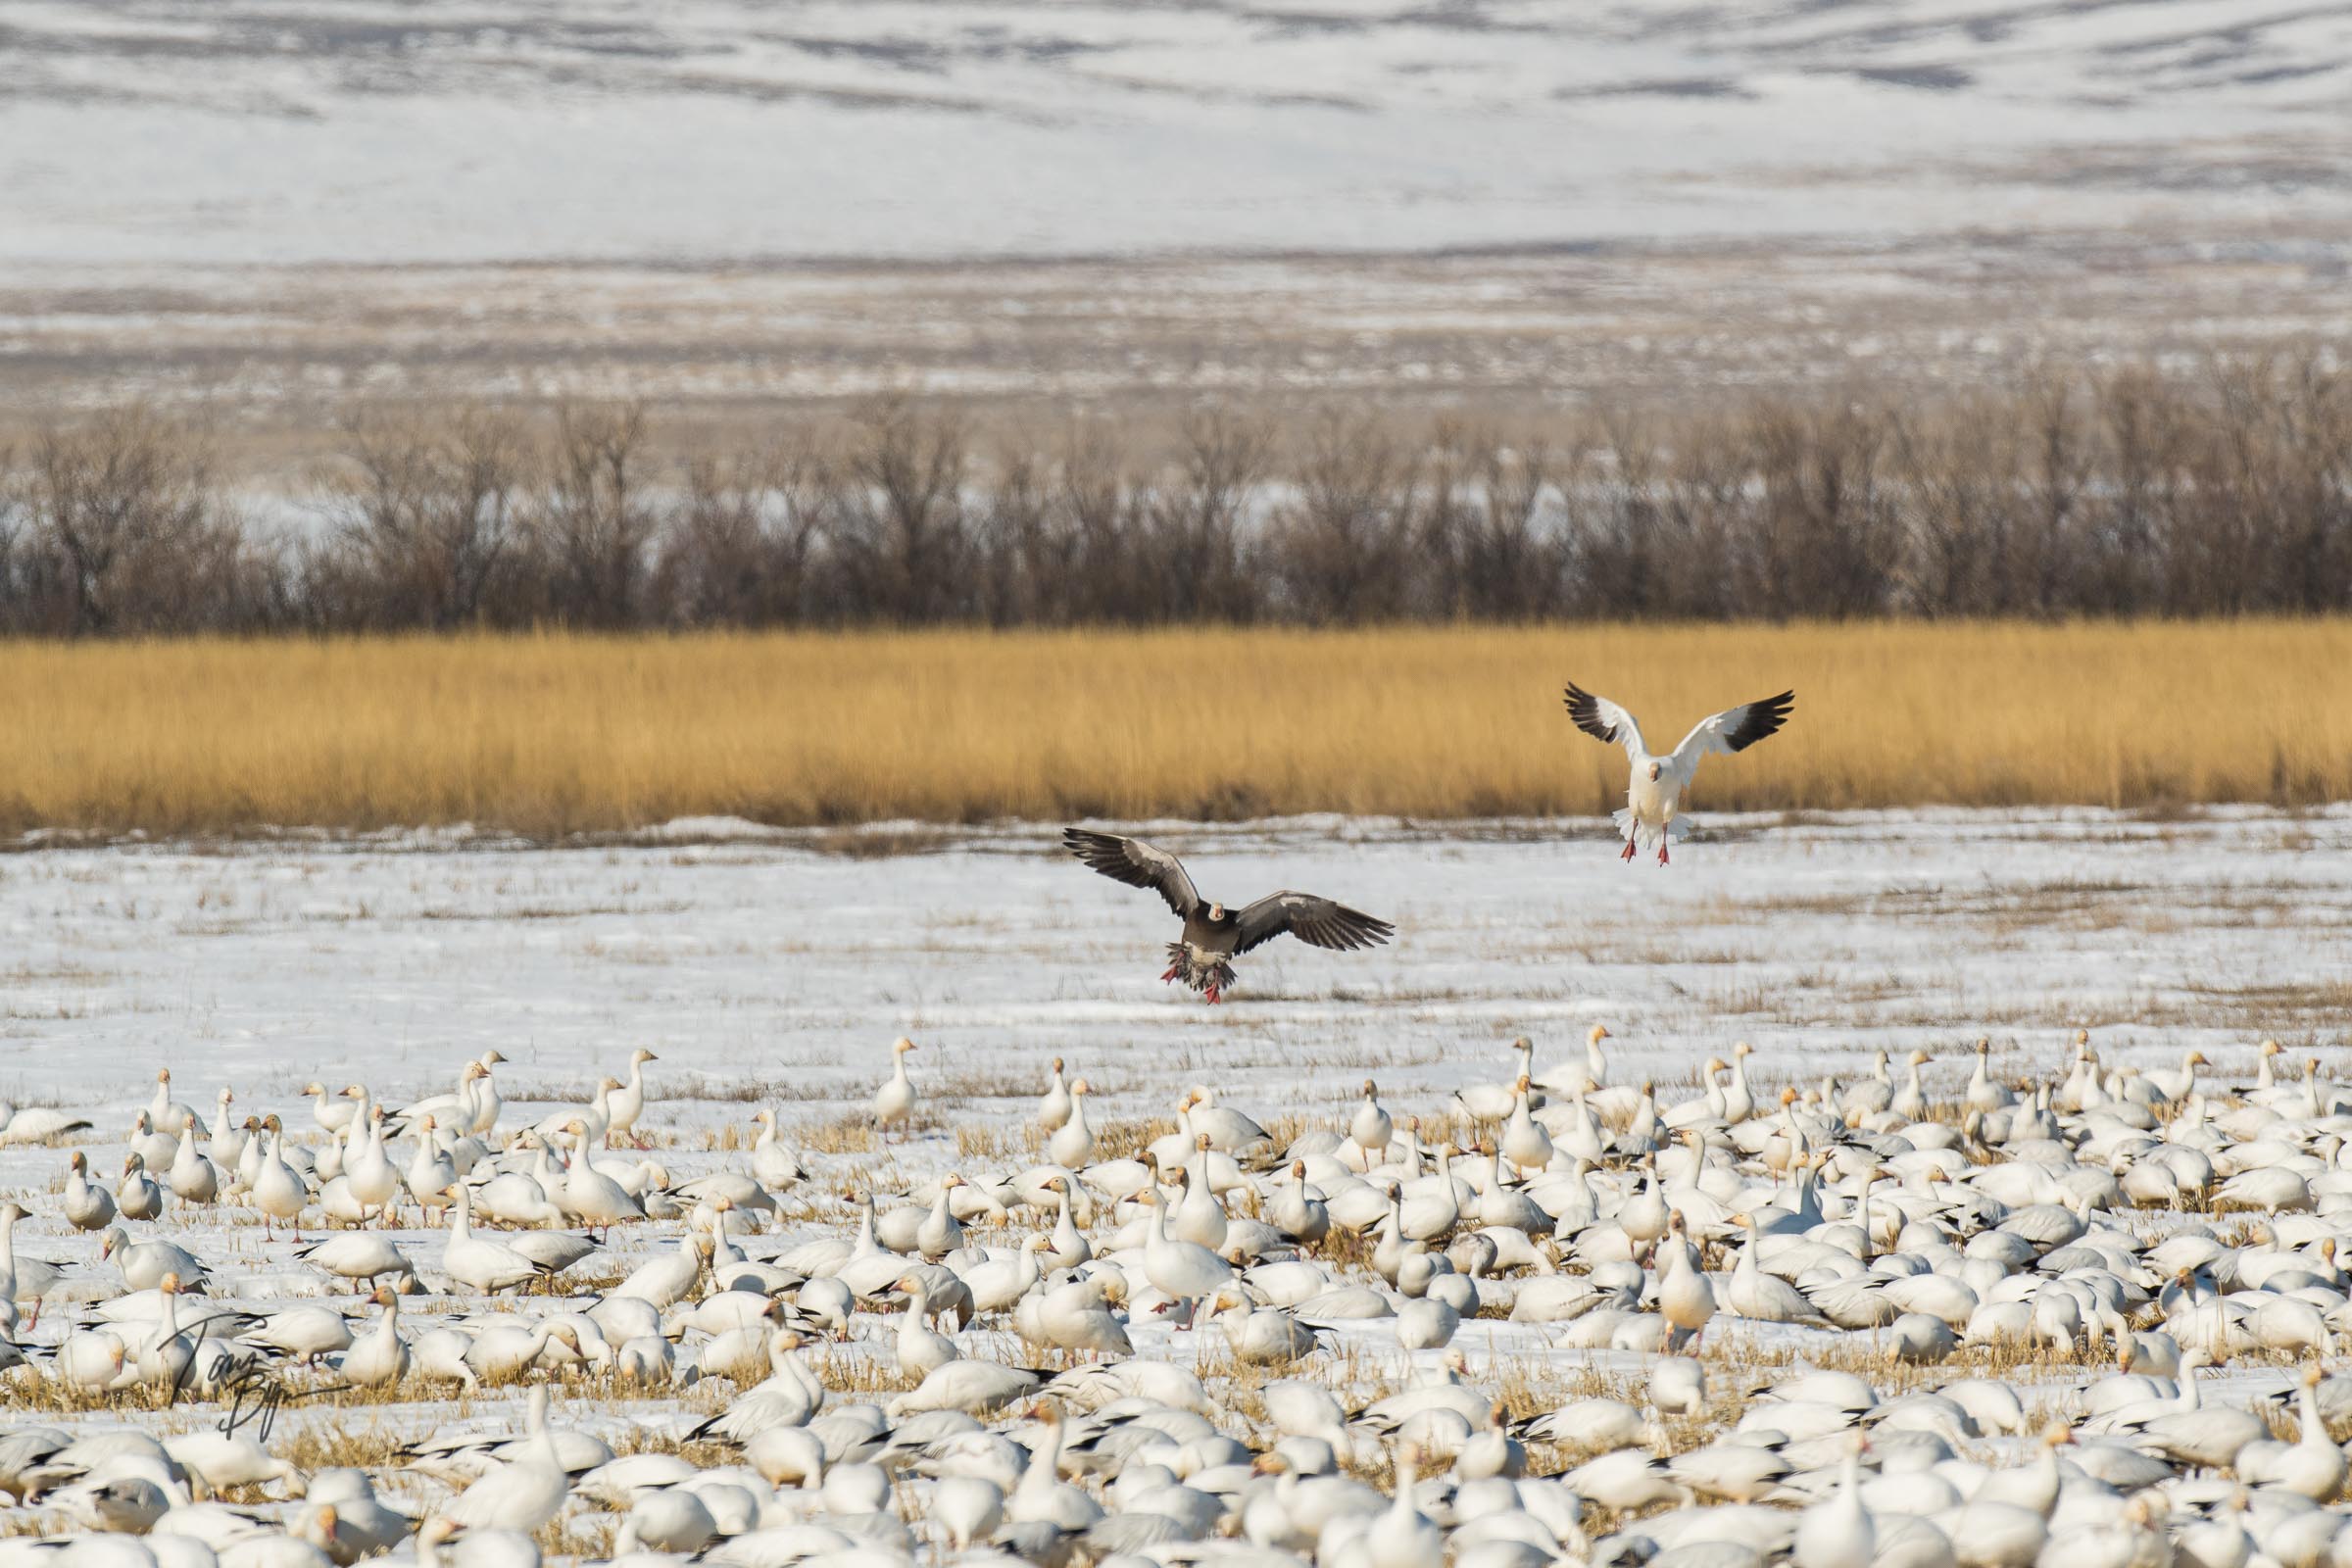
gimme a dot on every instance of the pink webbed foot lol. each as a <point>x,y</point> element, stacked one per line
<point>1214,996</point>
<point>1629,851</point>
<point>1170,975</point>
<point>1662,854</point>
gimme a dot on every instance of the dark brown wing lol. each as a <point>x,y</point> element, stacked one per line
<point>1136,864</point>
<point>1314,921</point>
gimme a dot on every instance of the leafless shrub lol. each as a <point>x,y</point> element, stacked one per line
<point>2129,492</point>
<point>427,509</point>
<point>116,525</point>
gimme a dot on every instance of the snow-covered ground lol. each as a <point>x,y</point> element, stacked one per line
<point>497,130</point>
<point>753,958</point>
<point>772,967</point>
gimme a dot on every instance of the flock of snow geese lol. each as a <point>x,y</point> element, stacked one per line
<point>1553,1320</point>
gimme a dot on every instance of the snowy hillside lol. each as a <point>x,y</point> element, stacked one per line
<point>244,130</point>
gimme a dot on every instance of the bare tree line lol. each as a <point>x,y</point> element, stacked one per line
<point>2125,493</point>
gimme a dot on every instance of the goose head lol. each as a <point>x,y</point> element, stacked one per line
<point>900,1046</point>
<point>1655,768</point>
<point>1216,911</point>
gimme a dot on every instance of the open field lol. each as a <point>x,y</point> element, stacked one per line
<point>554,735</point>
<point>760,968</point>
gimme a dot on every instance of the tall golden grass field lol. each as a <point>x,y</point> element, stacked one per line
<point>556,734</point>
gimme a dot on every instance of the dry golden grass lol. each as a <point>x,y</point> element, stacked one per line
<point>557,734</point>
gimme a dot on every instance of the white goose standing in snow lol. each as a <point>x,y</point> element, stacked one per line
<point>1654,799</point>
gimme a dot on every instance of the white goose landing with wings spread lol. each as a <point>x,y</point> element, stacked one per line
<point>1655,795</point>
<point>1214,935</point>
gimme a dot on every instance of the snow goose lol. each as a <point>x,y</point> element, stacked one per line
<point>1524,1141</point>
<point>1199,1217</point>
<point>1839,1531</point>
<point>627,1102</point>
<point>1984,1095</point>
<point>1654,800</point>
<point>1072,1142</point>
<point>920,1348</point>
<point>303,1331</point>
<point>1213,935</point>
<point>40,1124</point>
<point>1041,1496</point>
<point>1739,1097</point>
<point>594,1117</point>
<point>1184,1271</point>
<point>1261,1336</point>
<point>587,1194</point>
<point>370,1177</point>
<point>1068,1247</point>
<point>192,1178</point>
<point>334,1110</point>
<point>1764,1297</point>
<point>523,1494</point>
<point>379,1356</point>
<point>1425,1323</point>
<point>457,1107</point>
<point>138,1196</point>
<point>278,1189</point>
<point>893,1101</point>
<point>1229,1132</point>
<point>483,1265</point>
<point>2312,1466</point>
<point>774,1166</point>
<point>142,1264</point>
<point>1054,1108</point>
<point>1299,1209</point>
<point>998,1283</point>
<point>1371,1127</point>
<point>357,1257</point>
<point>88,1206</point>
<point>787,1398</point>
<point>1709,1106</point>
<point>966,1507</point>
<point>668,1276</point>
<point>1910,1101</point>
<point>975,1387</point>
<point>1486,1102</point>
<point>169,1116</point>
<point>166,1354</point>
<point>1685,1297</point>
<point>505,1351</point>
<point>1077,1315</point>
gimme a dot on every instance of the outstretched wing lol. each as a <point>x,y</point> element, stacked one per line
<point>1310,919</point>
<point>1136,864</point>
<point>1604,720</point>
<point>1735,729</point>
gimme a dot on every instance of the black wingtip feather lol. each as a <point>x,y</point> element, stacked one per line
<point>1764,718</point>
